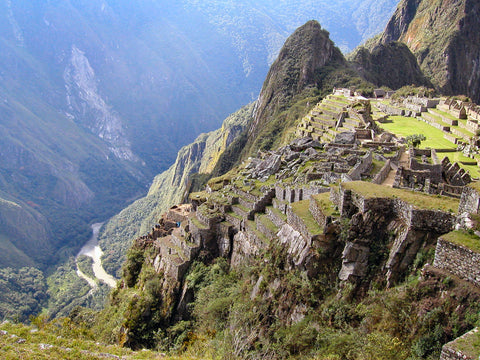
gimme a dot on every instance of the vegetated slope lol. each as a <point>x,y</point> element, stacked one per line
<point>169,188</point>
<point>392,65</point>
<point>444,36</point>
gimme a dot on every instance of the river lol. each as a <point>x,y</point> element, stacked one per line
<point>92,250</point>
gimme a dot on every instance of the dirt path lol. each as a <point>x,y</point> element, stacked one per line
<point>391,175</point>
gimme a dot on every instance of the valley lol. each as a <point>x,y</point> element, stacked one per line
<point>337,216</point>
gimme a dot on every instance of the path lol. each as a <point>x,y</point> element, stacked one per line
<point>391,175</point>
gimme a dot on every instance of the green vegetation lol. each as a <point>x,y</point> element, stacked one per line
<point>419,200</point>
<point>22,293</point>
<point>469,345</point>
<point>301,208</point>
<point>325,204</point>
<point>61,339</point>
<point>85,265</point>
<point>405,126</point>
<point>415,140</point>
<point>464,238</point>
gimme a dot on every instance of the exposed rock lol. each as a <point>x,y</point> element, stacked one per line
<point>345,138</point>
<point>268,167</point>
<point>445,38</point>
<point>354,262</point>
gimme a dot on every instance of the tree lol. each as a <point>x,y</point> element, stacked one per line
<point>415,140</point>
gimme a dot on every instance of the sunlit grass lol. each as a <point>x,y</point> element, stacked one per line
<point>404,126</point>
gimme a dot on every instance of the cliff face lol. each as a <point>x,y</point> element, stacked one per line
<point>444,36</point>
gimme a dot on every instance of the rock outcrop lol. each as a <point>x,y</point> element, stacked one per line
<point>444,36</point>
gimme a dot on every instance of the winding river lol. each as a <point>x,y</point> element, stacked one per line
<point>92,250</point>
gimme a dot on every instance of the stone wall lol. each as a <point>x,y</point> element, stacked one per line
<point>318,214</point>
<point>297,223</point>
<point>435,170</point>
<point>298,193</point>
<point>361,167</point>
<point>469,201</point>
<point>432,220</point>
<point>458,260</point>
<point>450,351</point>
<point>383,173</point>
<point>277,220</point>
<point>451,138</point>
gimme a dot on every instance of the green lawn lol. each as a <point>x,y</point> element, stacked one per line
<point>417,199</point>
<point>404,126</point>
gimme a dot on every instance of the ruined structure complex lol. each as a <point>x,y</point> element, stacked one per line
<point>340,174</point>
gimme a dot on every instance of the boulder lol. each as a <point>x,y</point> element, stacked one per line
<point>346,137</point>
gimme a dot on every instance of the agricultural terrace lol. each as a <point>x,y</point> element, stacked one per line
<point>417,199</point>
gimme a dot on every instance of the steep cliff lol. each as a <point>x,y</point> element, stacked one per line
<point>444,36</point>
<point>169,187</point>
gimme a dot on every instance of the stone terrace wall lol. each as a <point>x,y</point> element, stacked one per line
<point>383,173</point>
<point>458,260</point>
<point>469,201</point>
<point>318,214</point>
<point>450,351</point>
<point>361,167</point>
<point>421,219</point>
<point>297,223</point>
<point>432,220</point>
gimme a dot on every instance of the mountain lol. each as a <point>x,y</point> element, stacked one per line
<point>110,85</point>
<point>444,36</point>
<point>392,65</point>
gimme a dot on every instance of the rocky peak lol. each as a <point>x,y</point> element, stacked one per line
<point>444,36</point>
<point>305,52</point>
<point>400,21</point>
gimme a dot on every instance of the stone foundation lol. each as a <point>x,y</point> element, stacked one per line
<point>458,260</point>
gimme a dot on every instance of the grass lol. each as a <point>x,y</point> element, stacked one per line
<point>325,204</point>
<point>458,157</point>
<point>268,223</point>
<point>198,223</point>
<point>417,199</point>
<point>301,208</point>
<point>469,345</point>
<point>278,213</point>
<point>404,126</point>
<point>464,238</point>
<point>54,343</point>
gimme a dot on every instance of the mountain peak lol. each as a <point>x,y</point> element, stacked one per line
<point>305,52</point>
